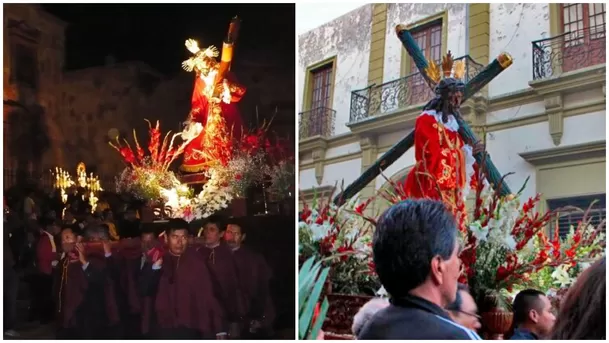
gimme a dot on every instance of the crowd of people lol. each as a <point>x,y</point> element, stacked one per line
<point>97,277</point>
<point>415,249</point>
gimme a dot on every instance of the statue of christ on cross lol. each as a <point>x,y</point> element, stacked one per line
<point>442,111</point>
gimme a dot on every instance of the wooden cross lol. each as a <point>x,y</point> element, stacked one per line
<point>474,85</point>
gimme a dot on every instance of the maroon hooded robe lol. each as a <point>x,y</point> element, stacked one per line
<point>254,278</point>
<point>86,299</point>
<point>223,270</point>
<point>184,298</point>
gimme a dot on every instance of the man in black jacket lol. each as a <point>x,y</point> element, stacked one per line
<point>415,251</point>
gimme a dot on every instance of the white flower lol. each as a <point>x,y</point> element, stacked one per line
<point>382,292</point>
<point>561,276</point>
<point>478,231</point>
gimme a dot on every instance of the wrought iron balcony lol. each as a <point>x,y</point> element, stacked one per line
<point>316,122</point>
<point>410,90</point>
<point>569,51</point>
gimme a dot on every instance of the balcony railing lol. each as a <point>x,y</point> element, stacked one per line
<point>316,122</point>
<point>569,51</point>
<point>410,90</point>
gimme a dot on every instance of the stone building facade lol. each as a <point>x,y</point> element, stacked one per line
<point>33,63</point>
<point>543,118</point>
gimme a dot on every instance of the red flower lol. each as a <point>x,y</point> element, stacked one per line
<point>345,250</point>
<point>238,177</point>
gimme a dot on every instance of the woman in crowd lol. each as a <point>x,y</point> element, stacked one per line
<point>582,313</point>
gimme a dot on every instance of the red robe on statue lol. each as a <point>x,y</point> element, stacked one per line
<point>445,168</point>
<point>200,111</point>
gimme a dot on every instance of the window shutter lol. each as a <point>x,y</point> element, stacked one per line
<point>572,217</point>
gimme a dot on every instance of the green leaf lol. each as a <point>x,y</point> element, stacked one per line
<point>308,296</point>
<point>320,320</point>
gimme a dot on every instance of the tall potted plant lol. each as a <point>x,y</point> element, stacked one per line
<point>311,279</point>
<point>342,239</point>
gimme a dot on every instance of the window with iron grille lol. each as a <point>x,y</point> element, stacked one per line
<point>584,39</point>
<point>321,79</point>
<point>429,39</point>
<point>321,91</point>
<point>567,218</point>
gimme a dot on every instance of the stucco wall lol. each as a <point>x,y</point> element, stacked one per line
<point>407,13</point>
<point>347,38</point>
<point>513,27</point>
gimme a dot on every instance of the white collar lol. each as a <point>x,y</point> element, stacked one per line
<point>450,125</point>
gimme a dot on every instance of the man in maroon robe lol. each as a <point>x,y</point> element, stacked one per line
<point>254,278</point>
<point>86,305</point>
<point>47,259</point>
<point>219,259</point>
<point>135,308</point>
<point>185,306</point>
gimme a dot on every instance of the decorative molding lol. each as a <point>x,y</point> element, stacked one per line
<point>311,193</point>
<point>332,160</point>
<point>319,154</point>
<point>554,109</point>
<point>573,81</point>
<point>591,150</point>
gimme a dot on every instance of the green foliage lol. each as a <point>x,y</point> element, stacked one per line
<point>311,279</point>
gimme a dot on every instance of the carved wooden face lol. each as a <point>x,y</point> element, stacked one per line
<point>456,99</point>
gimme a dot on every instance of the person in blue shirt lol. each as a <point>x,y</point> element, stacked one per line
<point>533,315</point>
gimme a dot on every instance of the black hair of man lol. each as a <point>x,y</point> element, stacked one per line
<point>456,305</point>
<point>101,230</point>
<point>218,220</point>
<point>238,222</point>
<point>175,224</point>
<point>67,227</point>
<point>147,228</point>
<point>524,302</point>
<point>46,222</point>
<point>407,238</point>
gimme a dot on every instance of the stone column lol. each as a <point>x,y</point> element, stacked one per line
<point>377,44</point>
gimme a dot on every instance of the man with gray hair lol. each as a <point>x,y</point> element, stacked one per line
<point>366,312</point>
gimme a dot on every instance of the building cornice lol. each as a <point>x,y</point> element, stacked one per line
<point>565,153</point>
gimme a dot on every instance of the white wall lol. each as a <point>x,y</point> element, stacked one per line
<point>406,13</point>
<point>505,146</point>
<point>516,112</point>
<point>346,171</point>
<point>513,27</point>
<point>334,174</point>
<point>306,179</point>
<point>347,38</point>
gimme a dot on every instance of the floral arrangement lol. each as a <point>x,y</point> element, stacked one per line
<point>282,178</point>
<point>342,240</point>
<point>214,197</point>
<point>148,177</point>
<point>148,172</point>
<point>585,242</point>
<point>244,170</point>
<point>505,242</point>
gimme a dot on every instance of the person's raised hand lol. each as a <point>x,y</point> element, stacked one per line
<point>80,248</point>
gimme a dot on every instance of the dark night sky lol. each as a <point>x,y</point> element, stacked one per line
<point>155,33</point>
